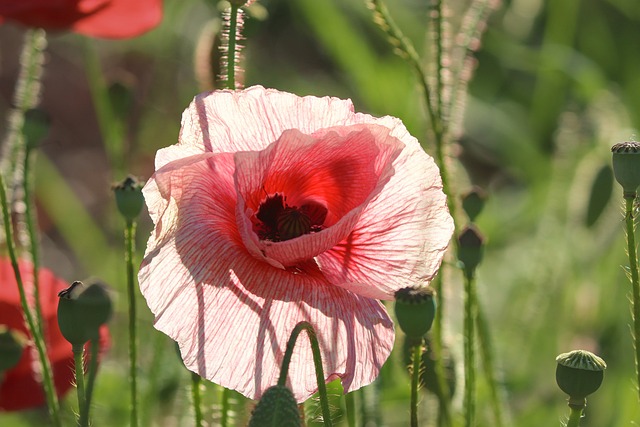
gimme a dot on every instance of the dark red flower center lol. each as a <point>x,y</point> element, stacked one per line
<point>277,221</point>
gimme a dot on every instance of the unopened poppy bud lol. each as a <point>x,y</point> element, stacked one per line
<point>415,309</point>
<point>277,407</point>
<point>36,127</point>
<point>473,202</point>
<point>579,373</point>
<point>12,344</point>
<point>129,197</point>
<point>82,309</point>
<point>470,249</point>
<point>626,166</point>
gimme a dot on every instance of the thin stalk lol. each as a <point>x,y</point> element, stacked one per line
<point>225,408</point>
<point>415,376</point>
<point>47,377</point>
<point>231,53</point>
<point>32,231</point>
<point>110,126</point>
<point>439,60</point>
<point>93,372</point>
<point>196,399</point>
<point>27,93</point>
<point>129,237</point>
<point>404,45</point>
<point>633,272</point>
<point>486,353</point>
<point>26,96</point>
<point>303,414</point>
<point>469,352</point>
<point>78,353</point>
<point>366,417</point>
<point>574,417</point>
<point>317,361</point>
<point>350,405</point>
<point>437,346</point>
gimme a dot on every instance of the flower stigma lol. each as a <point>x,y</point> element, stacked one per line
<point>277,221</point>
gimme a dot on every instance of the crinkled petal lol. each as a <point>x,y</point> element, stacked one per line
<point>250,120</point>
<point>402,234</point>
<point>232,313</point>
<point>340,172</point>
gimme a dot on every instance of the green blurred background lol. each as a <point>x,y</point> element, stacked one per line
<point>556,84</point>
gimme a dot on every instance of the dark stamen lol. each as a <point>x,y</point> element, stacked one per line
<point>278,221</point>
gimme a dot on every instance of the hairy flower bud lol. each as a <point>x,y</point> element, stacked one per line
<point>82,309</point>
<point>579,373</point>
<point>626,166</point>
<point>276,408</point>
<point>129,197</point>
<point>473,202</point>
<point>471,248</point>
<point>415,310</point>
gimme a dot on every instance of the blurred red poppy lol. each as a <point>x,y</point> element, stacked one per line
<point>112,19</point>
<point>20,387</point>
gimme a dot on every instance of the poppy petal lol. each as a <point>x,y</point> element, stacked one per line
<point>217,300</point>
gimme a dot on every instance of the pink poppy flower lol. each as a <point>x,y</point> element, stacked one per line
<point>273,209</point>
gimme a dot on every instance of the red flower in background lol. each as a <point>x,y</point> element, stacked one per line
<point>112,19</point>
<point>20,388</point>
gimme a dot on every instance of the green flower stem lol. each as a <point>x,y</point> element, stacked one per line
<point>574,417</point>
<point>444,408</point>
<point>78,353</point>
<point>404,45</point>
<point>365,415</point>
<point>486,353</point>
<point>633,271</point>
<point>469,352</point>
<point>111,127</point>
<point>129,237</point>
<point>225,408</point>
<point>415,376</point>
<point>47,377</point>
<point>26,96</point>
<point>32,231</point>
<point>27,93</point>
<point>439,59</point>
<point>93,372</point>
<point>231,53</point>
<point>317,360</point>
<point>350,405</point>
<point>195,395</point>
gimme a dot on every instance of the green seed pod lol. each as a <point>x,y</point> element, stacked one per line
<point>473,202</point>
<point>129,197</point>
<point>12,344</point>
<point>579,373</point>
<point>276,408</point>
<point>415,309</point>
<point>470,249</point>
<point>82,310</point>
<point>626,166</point>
